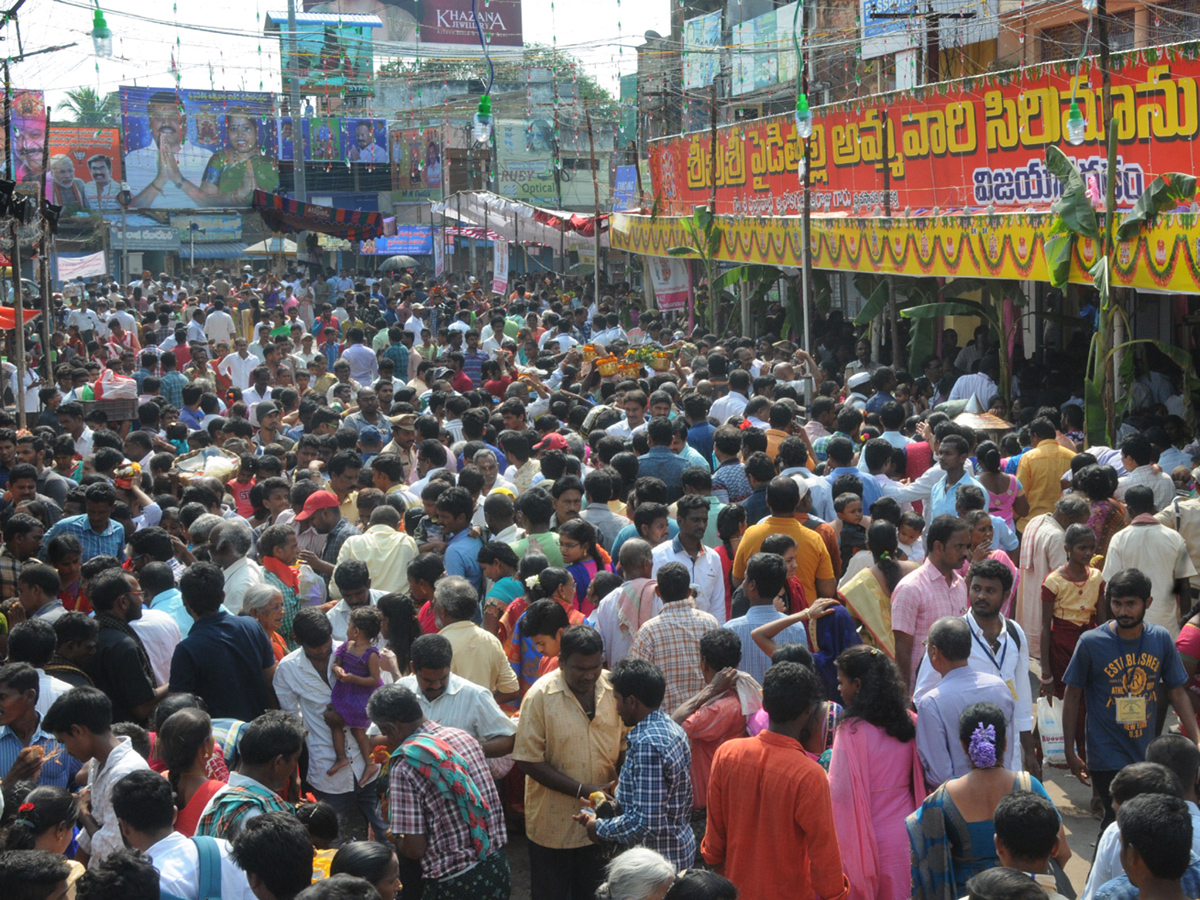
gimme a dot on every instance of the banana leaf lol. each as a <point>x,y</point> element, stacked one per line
<point>681,251</point>
<point>1164,194</point>
<point>922,338</point>
<point>754,273</point>
<point>1073,208</point>
<point>1059,249</point>
<point>954,308</point>
<point>1099,273</point>
<point>822,291</point>
<point>876,294</point>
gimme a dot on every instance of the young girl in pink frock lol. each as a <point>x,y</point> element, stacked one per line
<point>356,666</point>
<point>875,775</point>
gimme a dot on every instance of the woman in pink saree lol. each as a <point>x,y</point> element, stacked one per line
<point>875,776</point>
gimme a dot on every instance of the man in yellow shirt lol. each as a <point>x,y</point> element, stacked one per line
<point>478,656</point>
<point>813,565</point>
<point>1041,469</point>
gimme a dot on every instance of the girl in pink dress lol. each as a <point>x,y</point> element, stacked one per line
<point>356,666</point>
<point>875,776</point>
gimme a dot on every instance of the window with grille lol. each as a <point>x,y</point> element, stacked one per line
<point>1065,41</point>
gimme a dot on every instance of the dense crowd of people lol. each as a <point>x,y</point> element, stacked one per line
<point>324,589</point>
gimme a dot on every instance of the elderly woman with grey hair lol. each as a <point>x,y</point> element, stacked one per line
<point>264,604</point>
<point>637,874</point>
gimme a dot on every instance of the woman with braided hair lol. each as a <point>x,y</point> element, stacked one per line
<point>45,820</point>
<point>185,744</point>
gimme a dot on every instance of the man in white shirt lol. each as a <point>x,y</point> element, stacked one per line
<point>84,319</point>
<point>161,173</point>
<point>218,326</point>
<point>303,684</point>
<point>733,403</point>
<point>144,804</point>
<point>981,386</point>
<point>230,542</point>
<point>703,563</point>
<point>238,366</point>
<point>1138,456</point>
<point>364,149</point>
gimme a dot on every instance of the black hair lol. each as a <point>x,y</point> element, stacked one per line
<point>145,800</point>
<point>275,847</point>
<point>580,640</point>
<point>87,707</point>
<point>363,859</point>
<point>701,884</point>
<point>33,641</point>
<point>51,806</point>
<point>180,738</point>
<point>999,883</point>
<point>273,734</point>
<point>790,690</point>
<point>202,587</point>
<point>985,714</point>
<point>881,699</point>
<point>768,571</point>
<point>123,874</point>
<point>641,679</point>
<point>544,617</point>
<point>340,887</point>
<point>674,582</point>
<point>721,649</point>
<point>431,651</point>
<point>311,627</point>
<point>29,874</point>
<point>1144,778</point>
<point>993,570</point>
<point>1028,824</point>
<point>320,821</point>
<point>1159,828</point>
<point>1128,583</point>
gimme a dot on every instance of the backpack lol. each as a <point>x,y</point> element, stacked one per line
<point>210,870</point>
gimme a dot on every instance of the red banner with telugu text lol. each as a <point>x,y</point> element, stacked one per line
<point>980,143</point>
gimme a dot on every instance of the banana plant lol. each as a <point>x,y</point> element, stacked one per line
<point>1074,218</point>
<point>704,241</point>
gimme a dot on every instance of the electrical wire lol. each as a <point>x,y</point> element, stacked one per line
<point>486,54</point>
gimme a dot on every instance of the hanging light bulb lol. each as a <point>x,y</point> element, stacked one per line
<point>1089,6</point>
<point>804,118</point>
<point>101,35</point>
<point>1076,124</point>
<point>483,120</point>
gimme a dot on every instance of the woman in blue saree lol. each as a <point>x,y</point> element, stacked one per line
<point>952,836</point>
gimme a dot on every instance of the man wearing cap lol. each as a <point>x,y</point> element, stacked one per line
<point>858,385</point>
<point>404,441</point>
<point>270,425</point>
<point>324,511</point>
<point>370,444</point>
<point>307,353</point>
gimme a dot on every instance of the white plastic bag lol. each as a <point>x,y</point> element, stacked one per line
<point>1050,730</point>
<point>111,386</point>
<point>312,587</point>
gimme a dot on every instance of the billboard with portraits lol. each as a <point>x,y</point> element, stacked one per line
<point>27,140</point>
<point>365,141</point>
<point>188,149</point>
<point>85,167</point>
<point>416,163</point>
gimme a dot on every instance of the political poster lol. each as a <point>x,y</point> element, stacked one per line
<point>499,266</point>
<point>365,141</point>
<point>322,139</point>
<point>85,168</point>
<point>416,163</point>
<point>186,149</point>
<point>409,240</point>
<point>28,139</point>
<point>672,281</point>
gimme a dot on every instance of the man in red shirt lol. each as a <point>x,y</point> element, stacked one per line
<point>774,798</point>
<point>459,380</point>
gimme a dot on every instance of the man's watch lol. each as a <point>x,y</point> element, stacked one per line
<point>178,184</point>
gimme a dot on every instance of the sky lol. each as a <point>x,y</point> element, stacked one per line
<point>225,49</point>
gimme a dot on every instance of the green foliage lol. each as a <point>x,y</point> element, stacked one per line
<point>1164,194</point>
<point>86,107</point>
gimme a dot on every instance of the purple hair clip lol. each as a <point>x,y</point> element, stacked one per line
<point>982,749</point>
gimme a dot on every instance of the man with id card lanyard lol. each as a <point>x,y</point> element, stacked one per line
<point>1117,668</point>
<point>998,647</point>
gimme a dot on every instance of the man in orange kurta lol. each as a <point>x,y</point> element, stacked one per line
<point>770,819</point>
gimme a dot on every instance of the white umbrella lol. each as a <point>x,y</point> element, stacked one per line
<point>271,247</point>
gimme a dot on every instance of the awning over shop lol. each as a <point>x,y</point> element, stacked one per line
<point>219,250</point>
<point>1165,258</point>
<point>512,220</point>
<point>281,214</point>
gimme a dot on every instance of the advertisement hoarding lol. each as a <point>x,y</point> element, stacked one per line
<point>416,163</point>
<point>330,56</point>
<point>625,188</point>
<point>451,22</point>
<point>322,139</point>
<point>28,139</point>
<point>701,57</point>
<point>410,240</point>
<point>525,162</point>
<point>219,141</point>
<point>672,282</point>
<point>983,142</point>
<point>85,167</point>
<point>500,266</point>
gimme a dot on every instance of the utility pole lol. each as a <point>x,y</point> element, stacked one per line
<point>301,188</point>
<point>14,226</point>
<point>44,271</point>
<point>596,190</point>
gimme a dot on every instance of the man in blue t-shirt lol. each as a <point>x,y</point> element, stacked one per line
<point>1117,669</point>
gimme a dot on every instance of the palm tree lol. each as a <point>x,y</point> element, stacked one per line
<point>87,108</point>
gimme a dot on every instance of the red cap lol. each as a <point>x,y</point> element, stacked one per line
<point>553,441</point>
<point>318,500</point>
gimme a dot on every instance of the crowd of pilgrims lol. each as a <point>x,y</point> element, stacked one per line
<point>377,574</point>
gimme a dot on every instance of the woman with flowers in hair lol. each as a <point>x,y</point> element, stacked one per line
<point>45,820</point>
<point>951,836</point>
